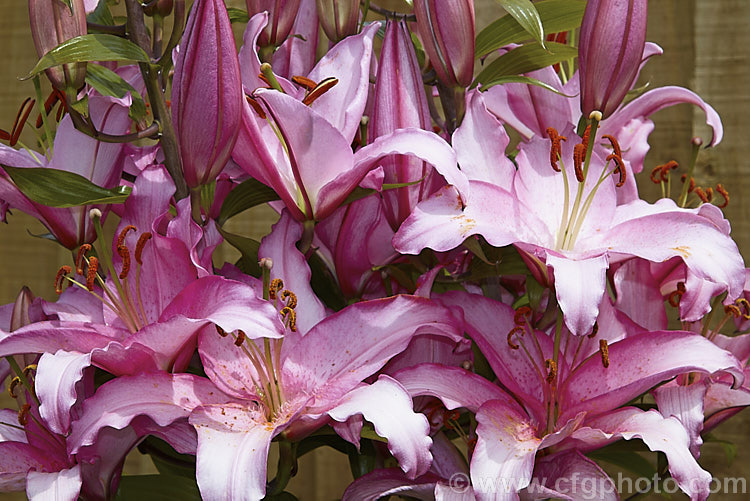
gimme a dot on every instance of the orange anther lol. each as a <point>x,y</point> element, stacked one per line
<point>594,330</point>
<point>723,192</point>
<point>604,350</point>
<point>675,296</point>
<point>289,297</point>
<point>123,234</point>
<point>240,338</point>
<point>320,89</point>
<point>515,330</point>
<point>220,331</point>
<point>290,318</point>
<point>125,255</point>
<point>91,273</point>
<point>579,156</point>
<point>255,105</point>
<point>23,414</point>
<point>305,82</point>
<point>705,196</point>
<point>733,309</point>
<point>276,285</point>
<point>615,145</point>
<point>555,151</point>
<point>551,367</point>
<point>61,274</point>
<point>82,251</point>
<point>519,318</point>
<point>692,183</point>
<point>12,386</point>
<point>586,137</point>
<point>140,245</point>
<point>619,168</point>
<point>745,307</point>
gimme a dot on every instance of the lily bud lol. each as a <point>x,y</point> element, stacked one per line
<point>52,23</point>
<point>160,8</point>
<point>446,28</point>
<point>338,18</point>
<point>613,35</point>
<point>206,93</point>
<point>281,14</point>
<point>19,316</point>
<point>399,102</point>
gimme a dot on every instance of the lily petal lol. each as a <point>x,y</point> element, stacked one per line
<point>63,485</point>
<point>56,379</point>
<point>579,285</point>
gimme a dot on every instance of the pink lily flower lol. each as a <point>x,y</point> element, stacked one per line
<point>564,400</point>
<point>206,93</point>
<point>306,157</point>
<point>296,56</point>
<point>73,151</point>
<point>576,229</point>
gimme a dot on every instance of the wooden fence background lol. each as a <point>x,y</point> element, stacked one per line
<point>705,43</point>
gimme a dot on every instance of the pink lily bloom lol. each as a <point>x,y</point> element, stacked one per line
<point>566,400</point>
<point>206,93</point>
<point>575,228</point>
<point>73,151</point>
<point>306,156</point>
<point>296,56</point>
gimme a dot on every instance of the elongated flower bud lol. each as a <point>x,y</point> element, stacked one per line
<point>613,35</point>
<point>447,31</point>
<point>338,18</point>
<point>399,102</point>
<point>281,14</point>
<point>206,93</point>
<point>52,23</point>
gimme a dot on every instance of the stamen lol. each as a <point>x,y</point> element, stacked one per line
<point>604,350</point>
<point>656,175</point>
<point>733,310</point>
<point>692,183</point>
<point>290,317</point>
<point>91,273</point>
<point>723,192</point>
<point>240,338</point>
<point>305,82</point>
<point>255,105</point>
<point>579,155</point>
<point>23,414</point>
<point>586,137</point>
<point>220,331</point>
<point>705,196</point>
<point>23,114</point>
<point>675,296</point>
<point>125,255</point>
<point>594,330</point>
<point>745,304</point>
<point>619,169</point>
<point>289,297</point>
<point>551,367</point>
<point>145,237</point>
<point>276,285</point>
<point>48,105</point>
<point>82,251</point>
<point>514,330</point>
<point>320,89</point>
<point>123,234</point>
<point>12,386</point>
<point>519,318</point>
<point>615,145</point>
<point>27,370</point>
<point>556,149</point>
<point>61,274</point>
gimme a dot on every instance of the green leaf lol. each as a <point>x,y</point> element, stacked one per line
<point>324,284</point>
<point>368,431</point>
<point>157,488</point>
<point>248,247</point>
<point>237,15</point>
<point>109,83</point>
<point>522,79</point>
<point>629,460</point>
<point>524,59</point>
<point>556,15</point>
<point>59,188</point>
<point>730,448</point>
<point>166,459</point>
<point>281,496</point>
<point>526,15</point>
<point>94,47</point>
<point>101,15</point>
<point>248,194</point>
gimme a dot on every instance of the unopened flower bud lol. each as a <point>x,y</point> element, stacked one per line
<point>52,23</point>
<point>613,36</point>
<point>160,8</point>
<point>281,14</point>
<point>338,18</point>
<point>446,28</point>
<point>206,93</point>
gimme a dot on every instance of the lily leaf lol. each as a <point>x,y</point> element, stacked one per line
<point>524,12</point>
<point>157,488</point>
<point>237,15</point>
<point>522,79</point>
<point>248,194</point>
<point>59,188</point>
<point>556,16</point>
<point>360,192</point>
<point>109,83</point>
<point>248,247</point>
<point>92,47</point>
<point>524,59</point>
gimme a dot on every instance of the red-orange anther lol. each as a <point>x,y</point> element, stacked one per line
<point>320,89</point>
<point>305,82</point>
<point>706,195</point>
<point>604,350</point>
<point>515,330</point>
<point>619,168</point>
<point>656,175</point>
<point>125,255</point>
<point>290,298</point>
<point>723,192</point>
<point>48,105</point>
<point>21,117</point>
<point>221,332</point>
<point>615,145</point>
<point>23,414</point>
<point>123,234</point>
<point>586,137</point>
<point>91,273</point>
<point>290,317</point>
<point>594,330</point>
<point>82,251</point>
<point>745,307</point>
<point>276,285</point>
<point>12,386</point>
<point>255,105</point>
<point>675,296</point>
<point>733,310</point>
<point>579,156</point>
<point>665,168</point>
<point>692,183</point>
<point>240,338</point>
<point>145,237</point>
<point>555,151</point>
<point>519,318</point>
<point>59,278</point>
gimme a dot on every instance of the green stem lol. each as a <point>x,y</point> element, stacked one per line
<point>47,145</point>
<point>287,467</point>
<point>22,377</point>
<point>694,157</point>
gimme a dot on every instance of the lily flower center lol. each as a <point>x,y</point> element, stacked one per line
<point>116,293</point>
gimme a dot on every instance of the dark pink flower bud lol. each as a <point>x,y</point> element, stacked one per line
<point>281,14</point>
<point>338,18</point>
<point>52,23</point>
<point>206,93</point>
<point>400,102</point>
<point>446,28</point>
<point>613,35</point>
